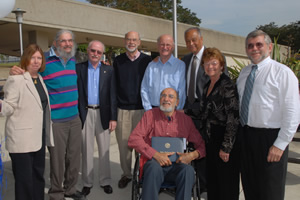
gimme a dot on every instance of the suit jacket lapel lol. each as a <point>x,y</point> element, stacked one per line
<point>32,88</point>
<point>103,73</point>
<point>85,78</point>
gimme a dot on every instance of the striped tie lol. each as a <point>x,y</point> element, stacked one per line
<point>247,95</point>
<point>191,92</point>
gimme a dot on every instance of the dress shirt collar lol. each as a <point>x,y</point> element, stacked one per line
<point>164,117</point>
<point>52,52</point>
<point>200,53</point>
<point>90,66</point>
<point>171,60</point>
<point>136,55</point>
<point>263,63</point>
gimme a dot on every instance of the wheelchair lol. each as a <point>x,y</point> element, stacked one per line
<point>137,183</point>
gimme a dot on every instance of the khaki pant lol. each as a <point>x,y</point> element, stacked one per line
<point>65,158</point>
<point>92,128</point>
<point>127,121</point>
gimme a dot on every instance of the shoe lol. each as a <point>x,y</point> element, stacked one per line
<point>76,196</point>
<point>123,182</point>
<point>107,189</point>
<point>85,191</point>
<point>203,190</point>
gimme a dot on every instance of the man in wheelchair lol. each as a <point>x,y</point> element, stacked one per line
<point>165,121</point>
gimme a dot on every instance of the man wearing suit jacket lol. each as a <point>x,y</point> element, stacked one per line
<point>194,43</point>
<point>98,113</point>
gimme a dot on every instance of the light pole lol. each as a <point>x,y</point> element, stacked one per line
<point>175,26</point>
<point>19,17</point>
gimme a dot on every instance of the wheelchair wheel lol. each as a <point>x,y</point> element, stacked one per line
<point>136,186</point>
<point>196,188</point>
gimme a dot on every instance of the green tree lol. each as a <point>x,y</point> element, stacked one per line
<point>156,8</point>
<point>288,34</point>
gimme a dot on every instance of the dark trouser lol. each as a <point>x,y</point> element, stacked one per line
<point>201,163</point>
<point>65,158</point>
<point>193,110</point>
<point>154,175</point>
<point>223,178</point>
<point>28,170</point>
<point>262,180</point>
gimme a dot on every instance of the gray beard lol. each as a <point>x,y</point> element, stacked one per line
<point>130,50</point>
<point>66,55</point>
<point>167,110</point>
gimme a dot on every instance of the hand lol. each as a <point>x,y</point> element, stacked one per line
<point>155,59</point>
<point>15,70</point>
<point>186,158</point>
<point>274,154</point>
<point>224,156</point>
<point>105,62</point>
<point>112,125</point>
<point>163,158</point>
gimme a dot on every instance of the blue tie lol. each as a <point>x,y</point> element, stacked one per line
<point>246,96</point>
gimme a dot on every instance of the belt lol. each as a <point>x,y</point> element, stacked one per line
<point>254,128</point>
<point>93,107</point>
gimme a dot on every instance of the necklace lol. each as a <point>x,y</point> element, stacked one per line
<point>34,80</point>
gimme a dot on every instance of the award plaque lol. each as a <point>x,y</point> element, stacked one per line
<point>169,144</point>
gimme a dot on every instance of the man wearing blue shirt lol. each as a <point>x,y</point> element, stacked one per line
<point>167,72</point>
<point>98,113</point>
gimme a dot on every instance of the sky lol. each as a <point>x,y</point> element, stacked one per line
<point>239,17</point>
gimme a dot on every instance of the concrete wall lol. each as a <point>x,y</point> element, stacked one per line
<point>44,17</point>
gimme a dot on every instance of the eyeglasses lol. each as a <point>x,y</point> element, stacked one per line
<point>258,45</point>
<point>213,63</point>
<point>171,96</point>
<point>65,41</point>
<point>131,39</point>
<point>96,51</point>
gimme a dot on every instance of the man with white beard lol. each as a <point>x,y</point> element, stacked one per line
<point>129,70</point>
<point>61,81</point>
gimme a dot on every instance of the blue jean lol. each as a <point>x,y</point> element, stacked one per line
<point>181,175</point>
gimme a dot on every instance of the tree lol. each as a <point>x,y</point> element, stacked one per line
<point>156,8</point>
<point>287,34</point>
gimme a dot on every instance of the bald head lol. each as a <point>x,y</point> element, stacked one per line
<point>165,46</point>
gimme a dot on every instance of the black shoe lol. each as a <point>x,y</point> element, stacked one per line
<point>203,190</point>
<point>86,191</point>
<point>107,189</point>
<point>75,196</point>
<point>123,182</point>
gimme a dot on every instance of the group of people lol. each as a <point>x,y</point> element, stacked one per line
<point>245,127</point>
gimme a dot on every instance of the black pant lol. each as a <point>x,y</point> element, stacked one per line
<point>223,178</point>
<point>194,112</point>
<point>28,170</point>
<point>262,180</point>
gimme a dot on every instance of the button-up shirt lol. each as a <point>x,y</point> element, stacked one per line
<point>93,84</point>
<point>159,76</point>
<point>274,101</point>
<point>154,123</point>
<point>198,62</point>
